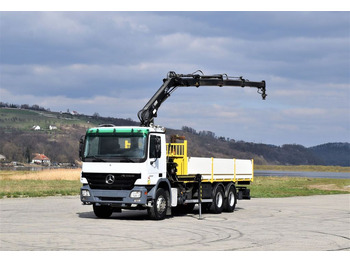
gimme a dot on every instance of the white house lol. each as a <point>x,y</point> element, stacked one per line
<point>36,127</point>
<point>41,159</point>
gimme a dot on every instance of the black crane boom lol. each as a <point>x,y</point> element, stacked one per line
<point>173,80</point>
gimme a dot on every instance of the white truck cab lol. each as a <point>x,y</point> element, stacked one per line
<point>123,166</point>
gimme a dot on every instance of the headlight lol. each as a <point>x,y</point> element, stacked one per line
<point>83,180</point>
<point>135,194</point>
<point>85,193</point>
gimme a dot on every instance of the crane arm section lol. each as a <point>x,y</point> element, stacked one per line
<point>173,80</point>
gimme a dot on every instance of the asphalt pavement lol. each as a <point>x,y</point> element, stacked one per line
<point>313,223</point>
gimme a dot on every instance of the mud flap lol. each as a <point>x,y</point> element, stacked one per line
<point>168,210</point>
<point>243,193</point>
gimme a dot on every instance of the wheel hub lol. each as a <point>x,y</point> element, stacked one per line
<point>161,204</point>
<point>231,199</point>
<point>219,200</point>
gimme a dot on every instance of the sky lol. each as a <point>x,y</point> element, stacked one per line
<point>111,63</point>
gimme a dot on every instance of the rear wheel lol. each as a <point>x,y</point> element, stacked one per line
<point>231,200</point>
<point>102,211</point>
<point>160,205</point>
<point>217,205</point>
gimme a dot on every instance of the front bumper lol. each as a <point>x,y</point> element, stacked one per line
<point>117,198</point>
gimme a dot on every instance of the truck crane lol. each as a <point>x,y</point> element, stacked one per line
<point>147,114</point>
<point>128,167</point>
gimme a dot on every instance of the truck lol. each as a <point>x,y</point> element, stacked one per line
<point>133,167</point>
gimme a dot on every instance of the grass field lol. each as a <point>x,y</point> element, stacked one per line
<point>49,182</point>
<point>297,186</point>
<point>53,182</point>
<point>305,168</point>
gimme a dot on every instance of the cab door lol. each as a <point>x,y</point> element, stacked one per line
<point>156,158</point>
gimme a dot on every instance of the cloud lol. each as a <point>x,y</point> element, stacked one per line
<point>113,62</point>
<point>104,105</point>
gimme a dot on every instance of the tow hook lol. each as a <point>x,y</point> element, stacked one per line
<point>149,203</point>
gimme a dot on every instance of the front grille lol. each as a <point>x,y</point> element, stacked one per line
<point>121,181</point>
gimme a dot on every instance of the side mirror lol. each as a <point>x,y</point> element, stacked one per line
<point>81,147</point>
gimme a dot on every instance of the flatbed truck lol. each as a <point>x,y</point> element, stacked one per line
<point>132,167</point>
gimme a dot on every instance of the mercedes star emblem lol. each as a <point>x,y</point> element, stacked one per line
<point>110,179</point>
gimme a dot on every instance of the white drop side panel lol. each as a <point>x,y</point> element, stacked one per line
<point>198,165</point>
<point>244,169</point>
<point>221,168</point>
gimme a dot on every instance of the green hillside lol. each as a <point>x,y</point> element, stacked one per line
<point>19,141</point>
<point>23,119</point>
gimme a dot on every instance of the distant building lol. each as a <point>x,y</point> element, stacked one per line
<point>36,127</point>
<point>41,159</point>
<point>2,158</point>
<point>74,113</point>
<point>52,127</point>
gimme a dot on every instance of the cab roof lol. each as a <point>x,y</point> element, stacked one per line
<point>123,129</point>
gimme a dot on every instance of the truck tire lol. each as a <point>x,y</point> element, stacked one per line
<point>160,205</point>
<point>102,211</point>
<point>217,205</point>
<point>230,200</point>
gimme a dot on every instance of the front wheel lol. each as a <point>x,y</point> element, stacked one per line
<point>160,205</point>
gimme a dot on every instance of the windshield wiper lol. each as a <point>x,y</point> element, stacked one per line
<point>96,159</point>
<point>126,159</point>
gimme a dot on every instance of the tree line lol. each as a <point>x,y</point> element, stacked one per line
<point>205,142</point>
<point>24,106</point>
<point>21,146</point>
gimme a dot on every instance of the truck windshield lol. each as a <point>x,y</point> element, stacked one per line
<point>115,147</point>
